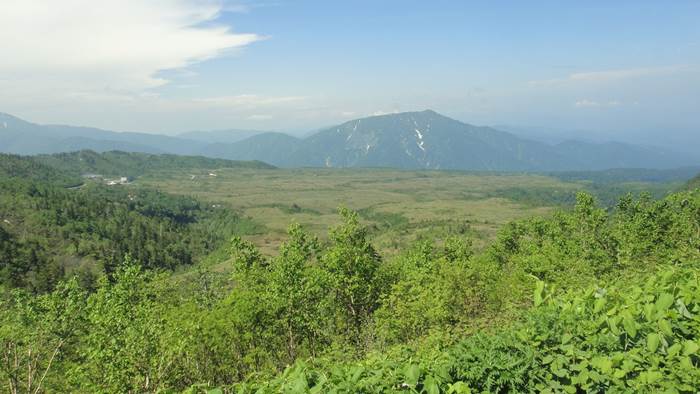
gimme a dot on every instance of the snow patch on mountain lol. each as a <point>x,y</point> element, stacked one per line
<point>420,141</point>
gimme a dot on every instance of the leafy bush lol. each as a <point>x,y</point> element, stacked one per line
<point>583,301</point>
<point>639,338</point>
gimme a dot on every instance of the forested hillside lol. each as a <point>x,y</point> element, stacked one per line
<point>585,300</point>
<point>116,163</point>
<point>18,167</point>
<point>49,232</point>
<point>694,183</point>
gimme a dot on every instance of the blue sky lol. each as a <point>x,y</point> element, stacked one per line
<point>606,66</point>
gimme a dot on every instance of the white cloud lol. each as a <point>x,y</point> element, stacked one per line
<point>613,75</point>
<point>248,100</point>
<point>260,117</point>
<point>52,50</point>
<point>380,112</point>
<point>585,103</point>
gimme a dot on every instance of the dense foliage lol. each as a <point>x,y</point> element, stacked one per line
<point>616,303</point>
<point>13,166</point>
<point>49,232</point>
<point>694,183</point>
<point>132,164</point>
<point>626,175</point>
<point>640,338</point>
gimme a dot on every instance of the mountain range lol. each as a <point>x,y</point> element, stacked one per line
<point>409,140</point>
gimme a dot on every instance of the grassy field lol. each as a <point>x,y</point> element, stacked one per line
<point>400,206</point>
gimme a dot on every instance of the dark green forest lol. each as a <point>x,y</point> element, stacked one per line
<point>132,164</point>
<point>694,183</point>
<point>97,296</point>
<point>50,232</point>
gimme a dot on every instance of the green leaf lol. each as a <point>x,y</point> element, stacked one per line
<point>539,292</point>
<point>566,338</point>
<point>599,305</point>
<point>630,327</point>
<point>603,364</point>
<point>680,306</point>
<point>664,301</point>
<point>651,377</point>
<point>686,363</point>
<point>430,386</point>
<point>653,342</point>
<point>459,388</point>
<point>666,327</point>
<point>613,326</point>
<point>412,375</point>
<point>690,347</point>
<point>674,350</point>
<point>649,311</point>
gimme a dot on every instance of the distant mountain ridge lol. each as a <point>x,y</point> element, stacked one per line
<point>22,137</point>
<point>419,140</point>
<point>409,140</point>
<point>428,140</point>
<point>220,136</point>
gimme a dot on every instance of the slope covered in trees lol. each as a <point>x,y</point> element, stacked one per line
<point>49,232</point>
<point>694,183</point>
<point>116,163</point>
<point>586,300</point>
<point>19,167</point>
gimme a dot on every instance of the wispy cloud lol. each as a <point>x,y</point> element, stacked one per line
<point>381,112</point>
<point>52,49</point>
<point>613,75</point>
<point>585,103</point>
<point>248,100</point>
<point>260,117</point>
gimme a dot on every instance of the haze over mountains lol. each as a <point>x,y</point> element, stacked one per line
<point>410,140</point>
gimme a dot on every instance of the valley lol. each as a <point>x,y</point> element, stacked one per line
<point>400,206</point>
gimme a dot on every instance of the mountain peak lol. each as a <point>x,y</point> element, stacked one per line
<point>424,114</point>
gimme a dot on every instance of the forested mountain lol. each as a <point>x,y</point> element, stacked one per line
<point>116,163</point>
<point>618,175</point>
<point>21,137</point>
<point>419,140</point>
<point>618,155</point>
<point>271,148</point>
<point>49,232</point>
<point>411,140</point>
<point>428,140</point>
<point>219,136</point>
<point>29,169</point>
